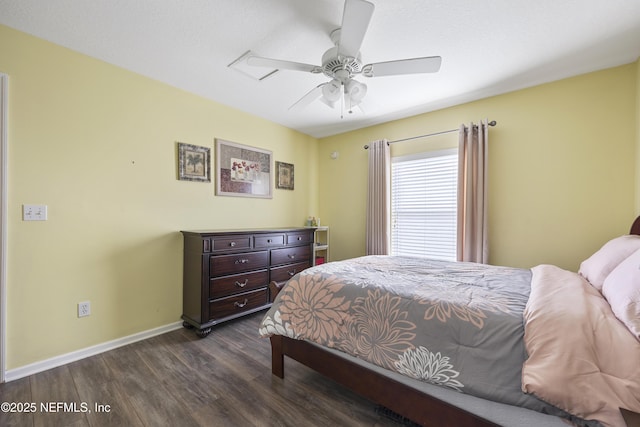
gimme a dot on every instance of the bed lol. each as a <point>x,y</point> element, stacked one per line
<point>463,344</point>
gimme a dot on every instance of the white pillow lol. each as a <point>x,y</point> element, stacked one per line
<point>598,266</point>
<point>622,290</point>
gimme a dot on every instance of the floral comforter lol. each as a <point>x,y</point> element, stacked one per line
<point>458,325</point>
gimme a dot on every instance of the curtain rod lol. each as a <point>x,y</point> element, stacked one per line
<point>491,123</point>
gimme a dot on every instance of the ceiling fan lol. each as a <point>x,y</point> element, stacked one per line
<point>343,62</point>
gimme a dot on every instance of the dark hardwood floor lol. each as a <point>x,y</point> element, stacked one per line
<point>178,379</point>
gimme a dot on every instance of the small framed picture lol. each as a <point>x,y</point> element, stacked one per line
<point>194,163</point>
<point>284,176</point>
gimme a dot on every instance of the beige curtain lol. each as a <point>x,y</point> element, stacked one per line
<point>472,193</point>
<point>378,199</point>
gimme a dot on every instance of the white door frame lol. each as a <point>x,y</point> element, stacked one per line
<point>4,105</point>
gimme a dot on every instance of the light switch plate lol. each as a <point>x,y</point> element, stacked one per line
<point>34,212</point>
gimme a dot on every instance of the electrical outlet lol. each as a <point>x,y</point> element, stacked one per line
<point>84,309</point>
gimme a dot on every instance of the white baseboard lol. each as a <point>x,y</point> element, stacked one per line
<point>54,362</point>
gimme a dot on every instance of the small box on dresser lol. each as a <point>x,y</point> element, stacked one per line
<point>226,273</point>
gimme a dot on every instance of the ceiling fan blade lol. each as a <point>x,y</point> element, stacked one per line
<point>282,65</point>
<point>355,21</point>
<point>308,98</point>
<point>428,64</point>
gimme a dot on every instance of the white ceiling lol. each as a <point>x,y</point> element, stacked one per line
<point>488,47</point>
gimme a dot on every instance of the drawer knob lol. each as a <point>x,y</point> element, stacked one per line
<point>291,256</point>
<point>241,304</point>
<point>269,241</point>
<point>232,244</point>
<point>291,273</point>
<point>242,261</point>
<point>299,238</point>
<point>243,284</point>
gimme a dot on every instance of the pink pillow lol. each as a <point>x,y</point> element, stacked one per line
<point>622,290</point>
<point>598,266</point>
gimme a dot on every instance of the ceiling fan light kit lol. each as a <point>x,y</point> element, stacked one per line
<point>343,62</point>
<point>331,91</point>
<point>356,90</point>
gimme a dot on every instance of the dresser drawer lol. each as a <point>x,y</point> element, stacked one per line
<point>231,243</point>
<point>286,272</point>
<point>268,240</point>
<point>300,238</point>
<point>290,255</point>
<point>229,285</point>
<point>222,265</point>
<point>236,304</point>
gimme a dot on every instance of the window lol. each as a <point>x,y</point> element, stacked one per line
<point>424,204</point>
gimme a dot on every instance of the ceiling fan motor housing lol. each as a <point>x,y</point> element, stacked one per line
<point>332,64</point>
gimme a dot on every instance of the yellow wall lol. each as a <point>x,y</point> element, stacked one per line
<point>562,168</point>
<point>97,144</point>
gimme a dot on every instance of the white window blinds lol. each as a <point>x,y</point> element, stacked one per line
<point>423,204</point>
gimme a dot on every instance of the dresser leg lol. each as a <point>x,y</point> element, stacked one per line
<point>187,325</point>
<point>203,332</point>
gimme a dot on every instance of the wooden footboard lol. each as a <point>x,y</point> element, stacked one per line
<point>400,398</point>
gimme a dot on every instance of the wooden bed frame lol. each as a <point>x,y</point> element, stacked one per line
<point>635,228</point>
<point>419,407</point>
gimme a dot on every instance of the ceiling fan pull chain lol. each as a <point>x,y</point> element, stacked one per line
<point>342,102</point>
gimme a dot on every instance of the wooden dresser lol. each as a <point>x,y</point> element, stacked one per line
<point>227,272</point>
